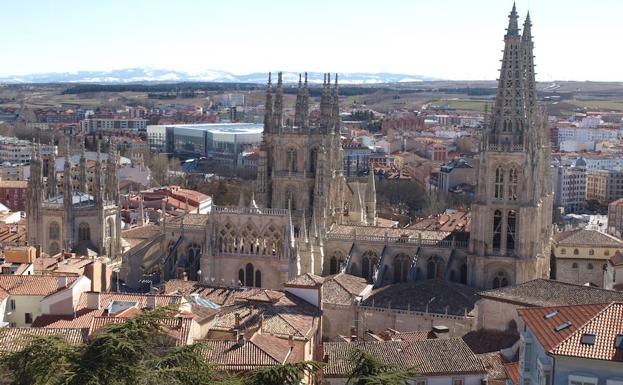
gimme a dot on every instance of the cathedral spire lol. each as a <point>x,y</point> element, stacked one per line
<point>278,107</point>
<point>335,113</point>
<point>513,25</point>
<point>83,169</point>
<point>268,109</point>
<point>298,109</point>
<point>52,192</point>
<point>305,105</point>
<point>97,178</point>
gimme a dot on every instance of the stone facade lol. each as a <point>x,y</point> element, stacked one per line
<point>75,220</point>
<point>325,223</point>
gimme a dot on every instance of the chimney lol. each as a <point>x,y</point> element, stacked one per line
<point>237,321</point>
<point>240,338</point>
<point>151,302</point>
<point>38,251</point>
<point>62,282</point>
<point>441,331</point>
<point>325,358</point>
<point>353,334</point>
<point>93,300</point>
<point>291,341</point>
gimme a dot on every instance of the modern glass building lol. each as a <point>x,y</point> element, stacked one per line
<point>221,141</point>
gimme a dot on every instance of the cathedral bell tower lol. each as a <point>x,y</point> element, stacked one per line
<point>511,215</point>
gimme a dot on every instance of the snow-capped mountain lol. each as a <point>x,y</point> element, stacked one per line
<point>141,75</point>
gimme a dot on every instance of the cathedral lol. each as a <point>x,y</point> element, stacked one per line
<point>307,217</point>
<point>73,220</point>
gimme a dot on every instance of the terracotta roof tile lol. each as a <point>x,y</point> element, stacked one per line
<point>306,279</point>
<point>584,237</point>
<point>606,325</point>
<point>235,356</point>
<point>15,339</point>
<point>545,329</point>
<point>494,365</point>
<point>447,356</point>
<point>37,285</point>
<point>512,371</point>
<point>546,292</point>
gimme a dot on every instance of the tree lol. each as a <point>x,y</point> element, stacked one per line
<point>368,370</point>
<point>136,352</point>
<point>285,374</point>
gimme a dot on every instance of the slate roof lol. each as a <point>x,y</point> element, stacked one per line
<point>16,339</point>
<point>586,238</point>
<point>440,295</point>
<point>443,356</point>
<point>547,292</point>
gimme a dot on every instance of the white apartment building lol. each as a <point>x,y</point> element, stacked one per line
<point>584,139</point>
<point>569,180</point>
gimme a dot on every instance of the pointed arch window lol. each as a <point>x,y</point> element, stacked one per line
<point>84,232</point>
<point>434,267</point>
<point>54,231</point>
<point>248,275</point>
<point>512,184</point>
<point>511,230</point>
<point>369,263</point>
<point>500,280</point>
<point>499,183</point>
<point>401,268</point>
<point>497,230</point>
<point>291,160</point>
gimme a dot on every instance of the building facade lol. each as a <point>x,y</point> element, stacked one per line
<point>75,220</point>
<point>570,185</point>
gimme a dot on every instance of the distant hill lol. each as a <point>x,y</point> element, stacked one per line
<point>142,75</point>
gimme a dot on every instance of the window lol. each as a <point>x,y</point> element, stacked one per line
<point>512,184</point>
<point>28,318</point>
<point>84,232</point>
<point>54,231</point>
<point>591,252</point>
<point>563,251</point>
<point>510,230</point>
<point>575,265</point>
<point>499,182</point>
<point>589,266</point>
<point>500,280</point>
<point>607,253</point>
<point>12,304</point>
<point>291,160</point>
<point>576,252</point>
<point>497,229</point>
<point>582,380</point>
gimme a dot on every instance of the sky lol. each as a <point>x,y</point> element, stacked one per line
<point>449,39</point>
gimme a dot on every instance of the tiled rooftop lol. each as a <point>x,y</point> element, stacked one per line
<point>586,238</point>
<point>445,356</point>
<point>547,292</point>
<point>16,339</point>
<point>36,285</point>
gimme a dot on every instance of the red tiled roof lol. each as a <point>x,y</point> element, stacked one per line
<point>235,356</point>
<point>544,329</point>
<point>37,285</point>
<point>512,371</point>
<point>606,326</point>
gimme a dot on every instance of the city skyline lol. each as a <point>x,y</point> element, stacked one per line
<point>451,39</point>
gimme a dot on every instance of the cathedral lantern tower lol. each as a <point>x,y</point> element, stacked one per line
<point>511,215</point>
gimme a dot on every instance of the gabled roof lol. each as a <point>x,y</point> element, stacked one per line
<point>442,356</point>
<point>16,339</point>
<point>340,289</point>
<point>586,238</point>
<point>235,356</point>
<point>545,329</point>
<point>35,285</point>
<point>606,325</point>
<point>306,279</point>
<point>547,292</point>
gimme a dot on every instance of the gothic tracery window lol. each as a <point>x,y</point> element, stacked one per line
<point>497,229</point>
<point>500,280</point>
<point>54,231</point>
<point>369,262</point>
<point>434,267</point>
<point>511,230</point>
<point>401,268</point>
<point>291,160</point>
<point>84,232</point>
<point>512,184</point>
<point>499,182</point>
